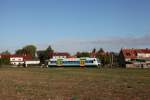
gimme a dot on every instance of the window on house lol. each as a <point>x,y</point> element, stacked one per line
<point>19,59</point>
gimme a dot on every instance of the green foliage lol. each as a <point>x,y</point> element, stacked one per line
<point>45,54</point>
<point>20,52</point>
<point>104,57</point>
<point>28,50</point>
<point>49,52</point>
<point>41,56</point>
<point>0,61</point>
<point>4,61</point>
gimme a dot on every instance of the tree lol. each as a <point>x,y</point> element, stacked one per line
<point>49,52</point>
<point>19,52</point>
<point>6,52</point>
<point>83,54</point>
<point>30,49</point>
<point>5,61</point>
<point>49,48</point>
<point>42,56</point>
<point>94,50</point>
<point>45,54</point>
<point>78,54</point>
<point>100,50</point>
<point>27,50</point>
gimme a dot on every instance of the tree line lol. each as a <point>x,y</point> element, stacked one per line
<point>29,50</point>
<point>47,53</point>
<point>104,57</point>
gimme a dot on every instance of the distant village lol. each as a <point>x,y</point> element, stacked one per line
<point>29,56</point>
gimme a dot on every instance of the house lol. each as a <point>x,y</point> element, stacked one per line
<point>25,60</point>
<point>16,59</point>
<point>134,58</point>
<point>60,55</point>
<point>19,59</point>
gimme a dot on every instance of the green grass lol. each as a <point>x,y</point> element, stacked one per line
<point>74,84</point>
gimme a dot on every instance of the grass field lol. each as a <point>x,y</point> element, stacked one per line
<point>74,84</point>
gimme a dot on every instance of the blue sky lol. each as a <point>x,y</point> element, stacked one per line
<point>74,25</point>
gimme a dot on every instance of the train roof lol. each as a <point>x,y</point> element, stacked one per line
<point>73,59</point>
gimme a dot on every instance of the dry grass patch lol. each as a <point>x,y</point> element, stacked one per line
<point>74,84</point>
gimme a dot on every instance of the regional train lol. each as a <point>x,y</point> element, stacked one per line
<point>74,62</point>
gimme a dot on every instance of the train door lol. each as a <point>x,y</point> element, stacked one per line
<point>59,62</point>
<point>82,62</point>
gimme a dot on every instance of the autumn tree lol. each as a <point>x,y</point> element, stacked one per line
<point>100,50</point>
<point>103,56</point>
<point>83,54</point>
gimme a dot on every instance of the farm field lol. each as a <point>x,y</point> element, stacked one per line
<point>74,84</point>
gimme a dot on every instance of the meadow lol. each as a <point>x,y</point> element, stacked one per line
<point>74,84</point>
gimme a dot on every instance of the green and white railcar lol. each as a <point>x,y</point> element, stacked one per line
<point>74,62</point>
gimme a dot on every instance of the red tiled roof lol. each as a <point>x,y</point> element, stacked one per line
<point>143,50</point>
<point>129,53</point>
<point>132,53</point>
<point>5,55</point>
<point>9,56</point>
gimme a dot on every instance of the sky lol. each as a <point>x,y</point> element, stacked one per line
<point>74,25</point>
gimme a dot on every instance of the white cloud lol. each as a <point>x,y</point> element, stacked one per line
<point>143,40</point>
<point>110,44</point>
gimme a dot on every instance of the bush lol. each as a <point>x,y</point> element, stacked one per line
<point>5,61</point>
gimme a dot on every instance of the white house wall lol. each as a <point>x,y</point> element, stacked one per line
<point>16,59</point>
<point>32,62</point>
<point>16,63</point>
<point>143,55</point>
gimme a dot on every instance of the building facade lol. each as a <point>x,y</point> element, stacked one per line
<point>60,55</point>
<point>136,58</point>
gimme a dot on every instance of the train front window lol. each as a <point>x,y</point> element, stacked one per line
<point>53,62</point>
<point>89,61</point>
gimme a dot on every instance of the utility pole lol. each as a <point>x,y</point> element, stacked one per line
<point>111,60</point>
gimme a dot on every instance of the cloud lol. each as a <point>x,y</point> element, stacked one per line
<point>110,44</point>
<point>128,41</point>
